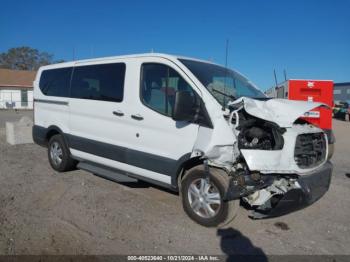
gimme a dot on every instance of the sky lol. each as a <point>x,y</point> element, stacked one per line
<point>310,39</point>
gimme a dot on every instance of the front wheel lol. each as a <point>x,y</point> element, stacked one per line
<point>202,198</point>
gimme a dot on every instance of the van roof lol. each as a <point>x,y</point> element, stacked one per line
<point>168,56</point>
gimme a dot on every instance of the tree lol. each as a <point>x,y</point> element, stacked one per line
<point>25,58</point>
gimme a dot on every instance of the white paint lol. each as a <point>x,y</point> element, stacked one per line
<point>281,161</point>
<point>310,84</point>
<point>281,111</point>
<point>217,144</point>
<point>156,134</point>
<point>258,197</point>
<point>160,135</point>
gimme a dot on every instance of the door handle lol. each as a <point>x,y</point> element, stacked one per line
<point>118,113</point>
<point>137,117</point>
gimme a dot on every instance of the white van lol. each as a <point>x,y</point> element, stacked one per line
<point>185,124</point>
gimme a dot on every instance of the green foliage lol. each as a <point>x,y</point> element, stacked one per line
<point>25,58</point>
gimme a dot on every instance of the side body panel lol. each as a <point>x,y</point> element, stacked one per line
<point>50,110</point>
<point>153,147</point>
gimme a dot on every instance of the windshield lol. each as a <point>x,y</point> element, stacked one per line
<point>224,84</point>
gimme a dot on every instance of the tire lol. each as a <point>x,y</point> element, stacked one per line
<point>197,207</point>
<point>59,155</point>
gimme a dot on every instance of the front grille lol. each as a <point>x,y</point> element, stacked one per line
<point>310,150</point>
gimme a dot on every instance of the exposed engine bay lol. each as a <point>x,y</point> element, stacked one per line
<point>255,133</point>
<point>270,154</point>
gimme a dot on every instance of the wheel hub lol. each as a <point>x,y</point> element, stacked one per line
<point>56,153</point>
<point>204,198</point>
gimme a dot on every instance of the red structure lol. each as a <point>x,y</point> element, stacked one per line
<point>314,91</point>
<point>309,90</point>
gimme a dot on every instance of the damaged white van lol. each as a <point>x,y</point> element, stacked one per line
<point>185,124</point>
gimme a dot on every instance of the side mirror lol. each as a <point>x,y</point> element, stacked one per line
<point>184,106</point>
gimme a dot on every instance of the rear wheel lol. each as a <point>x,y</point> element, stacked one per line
<point>202,198</point>
<point>59,155</point>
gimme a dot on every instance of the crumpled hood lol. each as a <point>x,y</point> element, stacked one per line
<point>280,111</point>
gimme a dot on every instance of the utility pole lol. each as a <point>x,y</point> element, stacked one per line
<point>73,53</point>
<point>92,51</point>
<point>226,56</point>
<point>285,74</point>
<point>274,73</point>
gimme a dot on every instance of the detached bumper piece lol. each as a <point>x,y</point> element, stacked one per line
<point>313,187</point>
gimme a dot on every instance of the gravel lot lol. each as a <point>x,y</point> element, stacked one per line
<point>12,115</point>
<point>44,212</point>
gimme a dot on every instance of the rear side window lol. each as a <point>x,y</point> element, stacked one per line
<point>99,82</point>
<point>55,82</point>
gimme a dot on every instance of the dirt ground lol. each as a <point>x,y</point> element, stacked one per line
<point>44,212</point>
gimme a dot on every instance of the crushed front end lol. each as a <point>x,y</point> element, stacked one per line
<point>283,193</point>
<point>287,195</point>
<point>280,162</point>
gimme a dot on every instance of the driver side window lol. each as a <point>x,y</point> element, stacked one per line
<point>159,84</point>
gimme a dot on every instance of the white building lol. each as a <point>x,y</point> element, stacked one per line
<point>16,89</point>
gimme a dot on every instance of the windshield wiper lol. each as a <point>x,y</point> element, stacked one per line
<point>224,94</point>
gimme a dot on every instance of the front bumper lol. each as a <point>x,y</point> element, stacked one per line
<point>313,186</point>
<point>331,142</point>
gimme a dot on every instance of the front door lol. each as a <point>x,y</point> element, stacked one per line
<point>160,144</point>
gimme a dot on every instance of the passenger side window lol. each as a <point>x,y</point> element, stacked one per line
<point>99,82</point>
<point>55,82</point>
<point>159,84</point>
